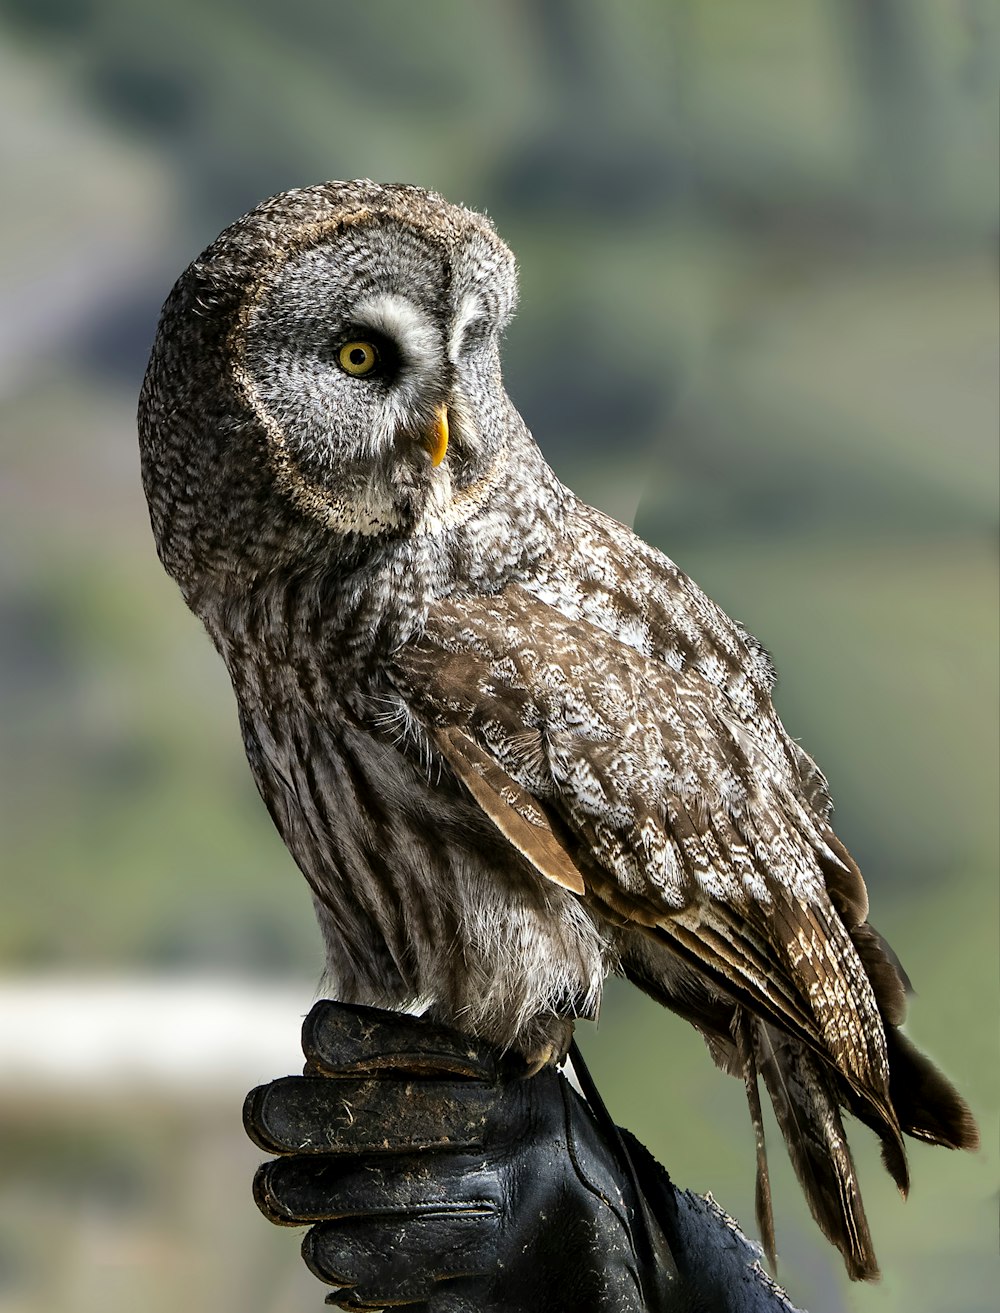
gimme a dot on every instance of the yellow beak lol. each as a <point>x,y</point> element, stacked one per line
<point>436,437</point>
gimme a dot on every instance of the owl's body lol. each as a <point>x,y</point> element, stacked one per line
<point>512,747</point>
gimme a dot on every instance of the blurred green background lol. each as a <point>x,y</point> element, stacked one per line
<point>759,320</point>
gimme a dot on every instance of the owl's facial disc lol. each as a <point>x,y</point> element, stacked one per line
<point>368,360</point>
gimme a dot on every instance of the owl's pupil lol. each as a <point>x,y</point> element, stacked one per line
<point>357,356</point>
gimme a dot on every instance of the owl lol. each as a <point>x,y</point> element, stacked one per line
<point>512,747</point>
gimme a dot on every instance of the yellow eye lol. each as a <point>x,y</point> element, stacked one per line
<point>357,358</point>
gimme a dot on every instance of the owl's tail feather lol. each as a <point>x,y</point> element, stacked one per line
<point>806,1107</point>
<point>745,1027</point>
<point>808,1092</point>
<point>927,1104</point>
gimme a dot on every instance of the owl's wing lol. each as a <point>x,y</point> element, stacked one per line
<point>674,815</point>
<point>683,814</point>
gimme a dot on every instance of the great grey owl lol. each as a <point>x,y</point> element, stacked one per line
<point>512,747</point>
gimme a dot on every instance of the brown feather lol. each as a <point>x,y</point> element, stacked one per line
<point>515,813</point>
<point>844,881</point>
<point>805,1106</point>
<point>746,1027</point>
<point>929,1106</point>
<point>888,980</point>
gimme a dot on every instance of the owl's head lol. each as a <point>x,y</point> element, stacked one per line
<point>328,369</point>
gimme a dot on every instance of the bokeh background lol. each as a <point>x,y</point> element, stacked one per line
<point>759,320</point>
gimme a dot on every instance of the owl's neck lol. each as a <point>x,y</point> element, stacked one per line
<point>348,609</point>
<point>511,527</point>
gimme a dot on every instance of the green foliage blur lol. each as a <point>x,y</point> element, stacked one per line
<point>759,320</point>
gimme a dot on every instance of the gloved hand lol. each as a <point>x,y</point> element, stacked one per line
<point>434,1175</point>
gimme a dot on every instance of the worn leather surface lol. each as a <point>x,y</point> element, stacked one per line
<point>435,1176</point>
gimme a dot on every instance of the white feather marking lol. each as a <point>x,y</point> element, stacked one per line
<point>406,325</point>
<point>470,309</point>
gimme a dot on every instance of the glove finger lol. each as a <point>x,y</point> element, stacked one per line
<point>299,1189</point>
<point>460,1296</point>
<point>401,1259</point>
<point>347,1299</point>
<point>338,1040</point>
<point>313,1114</point>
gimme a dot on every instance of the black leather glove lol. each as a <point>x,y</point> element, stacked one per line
<point>434,1175</point>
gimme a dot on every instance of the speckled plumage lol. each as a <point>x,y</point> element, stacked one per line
<point>512,747</point>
